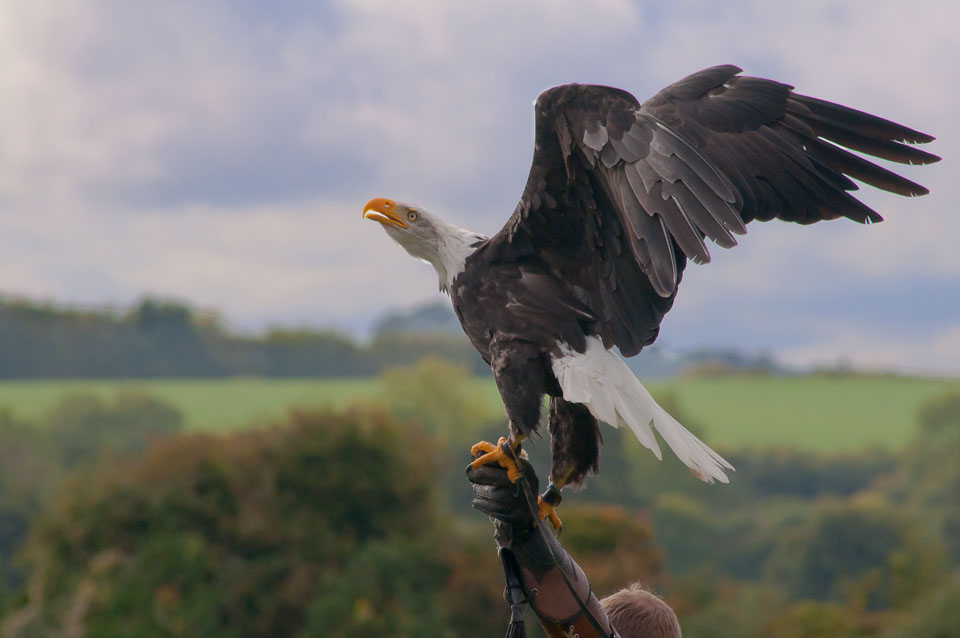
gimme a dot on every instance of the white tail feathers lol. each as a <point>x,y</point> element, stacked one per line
<point>600,380</point>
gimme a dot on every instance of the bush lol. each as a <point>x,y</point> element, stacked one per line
<point>35,457</point>
<point>928,480</point>
<point>614,546</point>
<point>246,535</point>
<point>727,610</point>
<point>81,428</point>
<point>439,394</point>
<point>936,615</point>
<point>862,551</point>
<point>380,591</point>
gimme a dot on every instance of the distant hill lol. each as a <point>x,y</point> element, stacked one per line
<point>654,362</point>
<point>431,318</point>
<point>716,361</point>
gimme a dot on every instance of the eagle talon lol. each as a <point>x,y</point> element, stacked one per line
<point>549,512</point>
<point>496,453</point>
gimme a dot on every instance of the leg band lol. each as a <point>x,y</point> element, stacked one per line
<point>551,495</point>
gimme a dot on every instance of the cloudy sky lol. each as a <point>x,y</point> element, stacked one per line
<point>221,152</point>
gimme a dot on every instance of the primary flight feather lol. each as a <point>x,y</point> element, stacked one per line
<point>620,195</point>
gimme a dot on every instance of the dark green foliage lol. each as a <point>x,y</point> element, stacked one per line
<point>939,418</point>
<point>163,339</point>
<point>27,470</point>
<point>727,610</point>
<point>36,457</point>
<point>846,549</point>
<point>14,524</point>
<point>441,397</point>
<point>932,473</point>
<point>615,483</point>
<point>154,339</point>
<point>381,592</point>
<point>614,545</point>
<point>872,558</point>
<point>405,349</point>
<point>792,473</point>
<point>936,615</point>
<point>239,536</point>
<point>690,532</point>
<point>289,353</point>
<point>81,428</point>
<point>439,394</point>
<point>928,480</point>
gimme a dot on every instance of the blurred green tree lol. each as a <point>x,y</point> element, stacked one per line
<point>929,479</point>
<point>728,610</point>
<point>814,619</point>
<point>936,615</point>
<point>81,428</point>
<point>615,546</point>
<point>440,394</point>
<point>35,458</point>
<point>383,589</point>
<point>864,551</point>
<point>237,536</point>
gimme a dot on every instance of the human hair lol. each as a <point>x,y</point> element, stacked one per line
<point>638,613</point>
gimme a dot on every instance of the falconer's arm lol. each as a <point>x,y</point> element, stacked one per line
<point>538,570</point>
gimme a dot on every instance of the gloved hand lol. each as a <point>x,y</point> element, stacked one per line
<point>538,570</point>
<point>505,502</point>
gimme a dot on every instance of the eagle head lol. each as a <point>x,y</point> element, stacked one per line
<point>425,236</point>
<point>411,227</point>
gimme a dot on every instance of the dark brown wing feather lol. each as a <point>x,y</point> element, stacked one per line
<point>621,194</point>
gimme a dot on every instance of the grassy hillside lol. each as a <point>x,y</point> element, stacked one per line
<point>811,413</point>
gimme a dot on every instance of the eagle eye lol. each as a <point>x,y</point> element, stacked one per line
<point>412,215</point>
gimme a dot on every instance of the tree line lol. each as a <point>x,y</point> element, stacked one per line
<point>166,339</point>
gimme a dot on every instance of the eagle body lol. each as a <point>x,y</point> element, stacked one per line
<point>520,346</point>
<point>619,197</point>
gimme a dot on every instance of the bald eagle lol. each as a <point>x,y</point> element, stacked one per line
<point>620,195</point>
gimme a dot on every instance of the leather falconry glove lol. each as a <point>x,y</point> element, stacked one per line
<point>538,570</point>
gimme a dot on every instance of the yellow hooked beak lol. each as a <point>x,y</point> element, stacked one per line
<point>384,211</point>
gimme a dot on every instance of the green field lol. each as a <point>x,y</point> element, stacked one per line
<point>814,413</point>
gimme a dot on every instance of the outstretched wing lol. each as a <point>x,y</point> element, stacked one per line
<point>621,194</point>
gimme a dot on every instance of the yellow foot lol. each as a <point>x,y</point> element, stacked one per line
<point>495,454</point>
<point>547,511</point>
